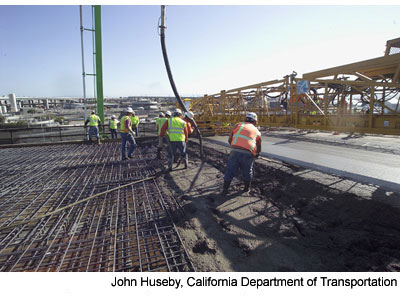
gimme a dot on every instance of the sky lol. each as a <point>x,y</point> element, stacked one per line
<point>210,47</point>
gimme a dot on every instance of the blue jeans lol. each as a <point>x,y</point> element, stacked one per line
<point>239,160</point>
<point>127,137</point>
<point>93,130</point>
<point>173,146</point>
<point>113,133</point>
<point>136,130</point>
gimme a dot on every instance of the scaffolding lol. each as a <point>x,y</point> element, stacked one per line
<point>359,97</point>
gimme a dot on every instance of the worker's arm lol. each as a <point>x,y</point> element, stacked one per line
<point>86,122</point>
<point>231,135</point>
<point>230,138</point>
<point>258,144</point>
<point>128,125</point>
<point>185,130</point>
<point>164,129</point>
<point>190,127</point>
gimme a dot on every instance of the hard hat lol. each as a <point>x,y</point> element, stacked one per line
<point>190,115</point>
<point>168,113</point>
<point>161,114</point>
<point>129,110</point>
<point>93,112</point>
<point>113,116</point>
<point>178,111</point>
<point>252,116</point>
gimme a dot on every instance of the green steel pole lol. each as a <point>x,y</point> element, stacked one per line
<point>99,63</point>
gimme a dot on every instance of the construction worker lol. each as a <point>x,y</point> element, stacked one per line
<point>178,136</point>
<point>94,123</point>
<point>245,141</point>
<point>113,127</point>
<point>189,121</point>
<point>135,123</point>
<point>127,134</point>
<point>161,140</point>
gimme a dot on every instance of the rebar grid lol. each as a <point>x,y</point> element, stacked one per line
<point>127,229</point>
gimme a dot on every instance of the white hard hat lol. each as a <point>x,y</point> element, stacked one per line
<point>178,111</point>
<point>252,116</point>
<point>129,110</point>
<point>168,113</point>
<point>190,115</point>
<point>161,114</point>
<point>113,116</point>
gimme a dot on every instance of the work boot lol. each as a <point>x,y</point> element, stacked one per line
<point>246,188</point>
<point>224,191</point>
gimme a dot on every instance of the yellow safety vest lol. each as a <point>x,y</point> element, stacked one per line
<point>113,124</point>
<point>176,129</point>
<point>160,122</point>
<point>122,126</point>
<point>94,120</point>
<point>134,120</point>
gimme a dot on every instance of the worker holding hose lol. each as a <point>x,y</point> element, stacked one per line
<point>178,137</point>
<point>127,134</point>
<point>245,141</point>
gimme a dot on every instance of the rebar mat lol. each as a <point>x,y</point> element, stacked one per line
<point>128,229</point>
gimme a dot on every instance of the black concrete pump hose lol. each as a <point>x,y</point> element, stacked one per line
<point>171,79</point>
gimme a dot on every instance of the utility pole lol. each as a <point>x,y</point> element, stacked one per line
<point>99,63</point>
<point>83,65</point>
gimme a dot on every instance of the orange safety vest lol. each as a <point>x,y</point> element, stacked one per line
<point>244,137</point>
<point>189,125</point>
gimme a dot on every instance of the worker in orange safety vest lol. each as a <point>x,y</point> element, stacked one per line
<point>245,141</point>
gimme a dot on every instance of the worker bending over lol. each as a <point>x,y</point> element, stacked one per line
<point>245,141</point>
<point>94,123</point>
<point>135,123</point>
<point>127,134</point>
<point>113,127</point>
<point>178,136</point>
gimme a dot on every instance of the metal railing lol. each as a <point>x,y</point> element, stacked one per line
<point>62,133</point>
